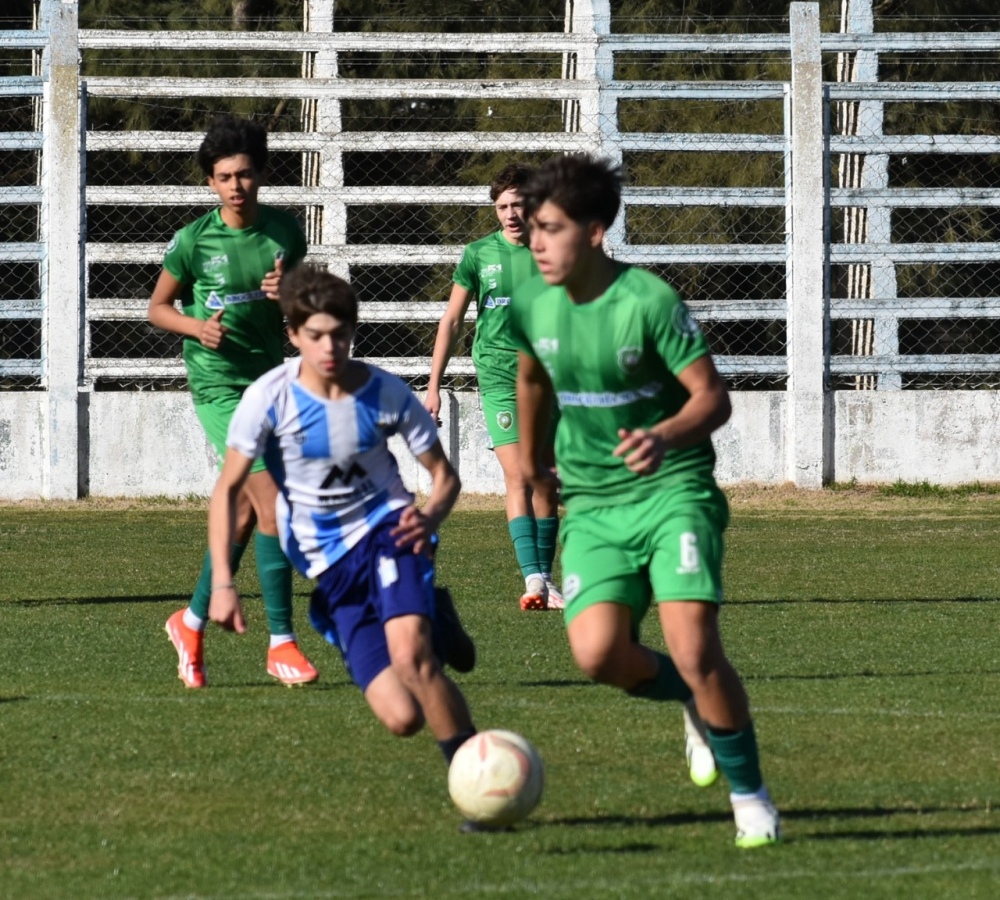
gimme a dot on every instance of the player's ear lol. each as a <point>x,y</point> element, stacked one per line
<point>293,336</point>
<point>595,233</point>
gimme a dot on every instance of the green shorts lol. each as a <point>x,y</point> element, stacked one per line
<point>215,417</point>
<point>667,546</point>
<point>500,412</point>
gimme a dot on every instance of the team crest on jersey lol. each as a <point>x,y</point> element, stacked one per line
<point>684,323</point>
<point>571,587</point>
<point>300,436</point>
<point>505,418</point>
<point>173,244</point>
<point>629,359</point>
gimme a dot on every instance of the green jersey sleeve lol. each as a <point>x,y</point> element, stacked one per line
<point>467,272</point>
<point>676,335</point>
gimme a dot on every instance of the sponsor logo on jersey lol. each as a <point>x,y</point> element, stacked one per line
<point>571,587</point>
<point>546,346</point>
<point>629,359</point>
<point>605,399</point>
<point>355,471</point>
<point>505,418</point>
<point>215,262</point>
<point>214,301</point>
<point>494,302</point>
<point>684,323</point>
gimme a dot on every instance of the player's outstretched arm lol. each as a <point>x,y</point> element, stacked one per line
<point>416,526</point>
<point>707,408</point>
<point>162,313</point>
<point>224,606</point>
<point>534,412</point>
<point>449,331</point>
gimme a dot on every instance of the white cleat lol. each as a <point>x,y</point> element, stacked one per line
<point>700,759</point>
<point>757,822</point>
<point>555,599</point>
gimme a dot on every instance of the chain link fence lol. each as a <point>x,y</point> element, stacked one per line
<point>387,175</point>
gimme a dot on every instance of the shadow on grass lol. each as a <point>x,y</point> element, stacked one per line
<point>838,676</point>
<point>816,816</point>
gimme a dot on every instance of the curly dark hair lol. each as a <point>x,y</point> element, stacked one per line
<point>308,290</point>
<point>585,187</point>
<point>510,177</point>
<point>229,136</point>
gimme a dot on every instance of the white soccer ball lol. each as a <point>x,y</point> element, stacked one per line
<point>496,778</point>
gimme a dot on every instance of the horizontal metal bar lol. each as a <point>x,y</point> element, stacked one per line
<point>155,195</point>
<point>21,368</point>
<point>898,144</point>
<point>21,86</point>
<point>556,42</point>
<point>20,309</point>
<point>20,140</point>
<point>338,88</point>
<point>925,364</point>
<point>723,254</point>
<point>20,196</point>
<point>912,198</point>
<point>915,253</point>
<point>907,91</point>
<point>15,39</point>
<point>916,308</point>
<point>23,252</point>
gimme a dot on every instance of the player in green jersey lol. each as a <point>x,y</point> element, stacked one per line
<point>225,269</point>
<point>639,397</point>
<point>489,270</point>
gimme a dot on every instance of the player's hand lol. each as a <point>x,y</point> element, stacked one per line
<point>544,480</point>
<point>271,285</point>
<point>432,403</point>
<point>225,610</point>
<point>643,450</point>
<point>213,331</point>
<point>414,528</point>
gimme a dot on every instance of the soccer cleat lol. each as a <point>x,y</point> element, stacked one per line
<point>189,645</point>
<point>554,596</point>
<point>700,759</point>
<point>536,595</point>
<point>757,822</point>
<point>288,664</point>
<point>461,652</point>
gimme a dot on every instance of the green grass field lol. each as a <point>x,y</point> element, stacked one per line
<point>866,627</point>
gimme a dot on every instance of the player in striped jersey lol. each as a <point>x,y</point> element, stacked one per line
<point>321,423</point>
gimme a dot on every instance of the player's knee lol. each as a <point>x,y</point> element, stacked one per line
<point>596,660</point>
<point>403,720</point>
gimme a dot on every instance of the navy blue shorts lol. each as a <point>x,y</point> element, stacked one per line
<point>376,581</point>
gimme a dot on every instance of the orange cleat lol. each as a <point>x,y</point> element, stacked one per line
<point>189,645</point>
<point>536,595</point>
<point>288,664</point>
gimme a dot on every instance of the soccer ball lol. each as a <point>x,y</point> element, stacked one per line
<point>496,778</point>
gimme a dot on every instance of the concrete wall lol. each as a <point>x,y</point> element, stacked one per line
<point>150,444</point>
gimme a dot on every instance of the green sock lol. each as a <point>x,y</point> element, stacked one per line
<point>203,589</point>
<point>275,574</point>
<point>667,684</point>
<point>524,534</point>
<point>736,755</point>
<point>547,531</point>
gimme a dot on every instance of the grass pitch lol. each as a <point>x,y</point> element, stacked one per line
<point>865,626</point>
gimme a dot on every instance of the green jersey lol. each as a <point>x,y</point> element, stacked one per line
<point>489,269</point>
<point>222,268</point>
<point>613,364</point>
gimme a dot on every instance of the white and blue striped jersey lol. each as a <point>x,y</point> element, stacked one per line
<point>335,475</point>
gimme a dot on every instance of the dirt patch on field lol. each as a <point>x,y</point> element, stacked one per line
<point>760,498</point>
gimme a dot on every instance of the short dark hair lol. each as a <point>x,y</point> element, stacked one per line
<point>511,177</point>
<point>308,290</point>
<point>229,136</point>
<point>584,187</point>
